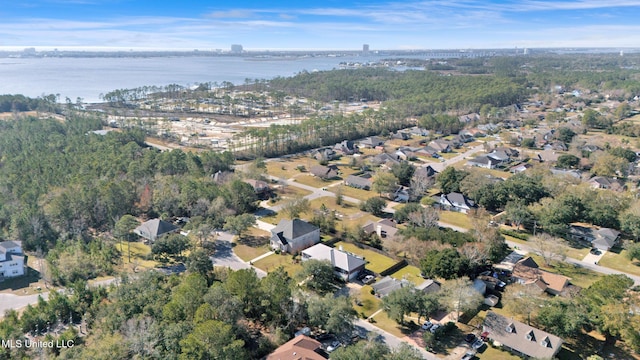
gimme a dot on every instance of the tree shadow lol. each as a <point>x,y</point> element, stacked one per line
<point>254,241</point>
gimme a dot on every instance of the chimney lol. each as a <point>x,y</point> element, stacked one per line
<point>379,230</point>
<point>340,248</point>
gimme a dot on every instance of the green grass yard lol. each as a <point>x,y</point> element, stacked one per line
<point>620,262</point>
<point>456,219</point>
<point>274,261</point>
<point>375,262</point>
<point>410,273</point>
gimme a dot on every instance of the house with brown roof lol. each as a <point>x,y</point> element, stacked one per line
<point>301,347</point>
<point>260,187</point>
<point>384,228</point>
<point>520,338</point>
<point>527,272</point>
<point>603,182</point>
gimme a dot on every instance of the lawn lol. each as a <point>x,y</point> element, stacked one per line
<point>253,244</point>
<point>287,168</point>
<point>491,353</point>
<point>274,261</point>
<point>346,209</point>
<point>138,253</point>
<point>375,262</point>
<point>410,273</point>
<point>620,262</point>
<point>288,192</point>
<point>370,303</point>
<point>391,326</point>
<point>314,181</point>
<point>353,192</point>
<point>456,219</point>
<point>355,221</point>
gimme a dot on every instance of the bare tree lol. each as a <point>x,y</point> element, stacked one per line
<point>460,296</point>
<point>522,300</point>
<point>549,248</point>
<point>425,217</point>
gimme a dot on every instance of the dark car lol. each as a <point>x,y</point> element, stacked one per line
<point>470,338</point>
<point>594,251</point>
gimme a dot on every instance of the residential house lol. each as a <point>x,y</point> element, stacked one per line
<point>260,187</point>
<point>527,272</point>
<point>371,142</point>
<point>301,347</point>
<point>429,286</point>
<point>477,133</point>
<point>521,339</point>
<point>401,194</point>
<point>401,135</point>
<point>153,229</point>
<point>465,137</point>
<point>556,145</point>
<point>509,262</point>
<point>456,202</point>
<point>405,153</point>
<point>387,285</point>
<point>602,239</point>
<point>510,152</point>
<point>488,128</point>
<point>346,266</point>
<point>293,236</point>
<point>386,160</point>
<point>384,228</point>
<point>346,147</point>
<point>428,151</point>
<point>425,171</point>
<point>520,168</point>
<point>324,172</point>
<point>440,145</point>
<point>484,161</point>
<point>12,260</point>
<point>602,182</point>
<point>419,131</point>
<point>359,181</point>
<point>324,154</point>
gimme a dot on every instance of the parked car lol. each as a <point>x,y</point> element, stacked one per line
<point>470,338</point>
<point>594,251</point>
<point>434,328</point>
<point>477,344</point>
<point>334,345</point>
<point>427,325</point>
<point>469,355</point>
<point>368,279</point>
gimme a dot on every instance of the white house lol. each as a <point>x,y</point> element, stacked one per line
<point>346,266</point>
<point>11,259</point>
<point>456,202</point>
<point>293,236</point>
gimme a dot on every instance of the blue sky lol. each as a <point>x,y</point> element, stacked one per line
<point>313,24</point>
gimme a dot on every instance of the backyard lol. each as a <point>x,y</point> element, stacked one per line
<point>375,262</point>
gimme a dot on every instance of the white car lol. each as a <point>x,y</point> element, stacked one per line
<point>427,325</point>
<point>334,345</point>
<point>434,328</point>
<point>477,344</point>
<point>469,355</point>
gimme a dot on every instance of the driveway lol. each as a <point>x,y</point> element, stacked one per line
<point>593,258</point>
<point>225,257</point>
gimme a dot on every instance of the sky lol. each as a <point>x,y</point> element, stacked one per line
<point>318,25</point>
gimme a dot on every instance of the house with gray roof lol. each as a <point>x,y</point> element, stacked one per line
<point>384,228</point>
<point>520,338</point>
<point>346,266</point>
<point>442,146</point>
<point>484,161</point>
<point>387,285</point>
<point>385,159</point>
<point>153,229</point>
<point>602,239</point>
<point>346,147</point>
<point>12,260</point>
<point>603,182</point>
<point>371,142</point>
<point>324,172</point>
<point>359,181</point>
<point>456,202</point>
<point>293,236</point>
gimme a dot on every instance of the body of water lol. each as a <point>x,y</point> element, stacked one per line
<point>87,78</point>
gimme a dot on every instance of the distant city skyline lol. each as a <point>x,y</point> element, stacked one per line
<point>318,25</point>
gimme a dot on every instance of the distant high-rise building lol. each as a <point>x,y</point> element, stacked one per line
<point>621,53</point>
<point>525,51</point>
<point>365,48</point>
<point>236,48</point>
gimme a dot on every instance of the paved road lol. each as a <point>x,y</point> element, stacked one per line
<point>11,301</point>
<point>581,263</point>
<point>391,340</point>
<point>443,165</point>
<point>315,192</point>
<point>225,257</point>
